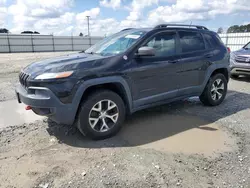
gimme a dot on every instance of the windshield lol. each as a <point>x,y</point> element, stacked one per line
<point>117,43</point>
<point>247,46</point>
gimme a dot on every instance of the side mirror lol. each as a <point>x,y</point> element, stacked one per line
<point>146,51</point>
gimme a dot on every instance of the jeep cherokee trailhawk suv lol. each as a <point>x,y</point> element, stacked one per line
<point>126,72</point>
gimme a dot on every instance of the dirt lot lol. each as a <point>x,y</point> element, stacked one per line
<point>183,144</point>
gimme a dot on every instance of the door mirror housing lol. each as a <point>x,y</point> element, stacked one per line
<point>146,51</point>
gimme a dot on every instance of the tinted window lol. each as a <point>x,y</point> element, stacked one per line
<point>211,43</point>
<point>247,46</point>
<point>191,41</point>
<point>164,44</point>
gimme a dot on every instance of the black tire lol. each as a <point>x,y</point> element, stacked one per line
<point>206,96</point>
<point>83,123</point>
<point>234,76</point>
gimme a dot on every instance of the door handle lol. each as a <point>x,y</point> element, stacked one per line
<point>208,55</point>
<point>174,61</point>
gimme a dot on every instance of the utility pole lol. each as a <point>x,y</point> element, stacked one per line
<point>88,31</point>
<point>88,25</point>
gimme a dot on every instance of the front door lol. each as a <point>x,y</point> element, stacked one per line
<point>155,78</point>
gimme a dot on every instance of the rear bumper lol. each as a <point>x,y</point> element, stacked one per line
<point>44,102</point>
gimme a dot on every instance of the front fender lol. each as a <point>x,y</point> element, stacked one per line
<point>98,81</point>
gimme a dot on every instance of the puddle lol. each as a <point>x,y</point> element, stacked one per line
<point>12,113</point>
<point>178,134</point>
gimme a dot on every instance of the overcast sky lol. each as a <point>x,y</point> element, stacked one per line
<point>63,17</point>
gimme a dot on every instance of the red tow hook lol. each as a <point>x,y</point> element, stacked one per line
<point>28,108</point>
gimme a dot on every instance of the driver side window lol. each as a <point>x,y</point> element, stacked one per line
<point>164,44</point>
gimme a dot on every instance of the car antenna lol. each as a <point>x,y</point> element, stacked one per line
<point>190,24</point>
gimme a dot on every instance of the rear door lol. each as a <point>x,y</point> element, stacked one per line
<point>193,52</point>
<point>212,53</point>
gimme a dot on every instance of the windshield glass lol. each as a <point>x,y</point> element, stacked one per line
<point>116,43</point>
<point>247,46</point>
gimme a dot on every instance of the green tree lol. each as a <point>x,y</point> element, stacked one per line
<point>233,29</point>
<point>239,29</point>
<point>4,30</point>
<point>220,30</point>
<point>27,32</point>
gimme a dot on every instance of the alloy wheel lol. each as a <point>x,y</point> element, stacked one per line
<point>217,90</point>
<point>103,115</point>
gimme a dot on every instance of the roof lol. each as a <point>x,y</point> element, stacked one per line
<point>180,26</point>
<point>173,27</point>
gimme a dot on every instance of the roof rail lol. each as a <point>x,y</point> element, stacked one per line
<point>179,25</point>
<point>127,29</point>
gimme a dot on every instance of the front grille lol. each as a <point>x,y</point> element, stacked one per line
<point>242,59</point>
<point>23,79</point>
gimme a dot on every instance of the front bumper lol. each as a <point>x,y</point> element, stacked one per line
<point>240,71</point>
<point>44,102</point>
<point>239,68</point>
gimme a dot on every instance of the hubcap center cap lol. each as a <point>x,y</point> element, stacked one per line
<point>102,115</point>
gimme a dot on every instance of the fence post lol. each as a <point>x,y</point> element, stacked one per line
<point>90,41</point>
<point>226,39</point>
<point>53,43</point>
<point>72,42</point>
<point>32,44</point>
<point>8,39</point>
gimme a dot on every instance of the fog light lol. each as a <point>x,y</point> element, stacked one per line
<point>42,111</point>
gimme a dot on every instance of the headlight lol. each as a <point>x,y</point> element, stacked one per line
<point>45,76</point>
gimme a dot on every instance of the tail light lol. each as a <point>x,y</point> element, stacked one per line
<point>228,49</point>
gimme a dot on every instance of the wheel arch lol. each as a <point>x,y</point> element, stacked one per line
<point>116,84</point>
<point>223,71</point>
<point>214,69</point>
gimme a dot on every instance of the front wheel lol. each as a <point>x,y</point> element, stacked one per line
<point>101,115</point>
<point>215,90</point>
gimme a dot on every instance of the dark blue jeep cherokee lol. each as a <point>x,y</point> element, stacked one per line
<point>129,71</point>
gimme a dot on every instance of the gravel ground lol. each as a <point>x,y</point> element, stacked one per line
<point>183,144</point>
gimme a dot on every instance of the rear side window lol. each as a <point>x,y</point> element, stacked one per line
<point>191,41</point>
<point>210,40</point>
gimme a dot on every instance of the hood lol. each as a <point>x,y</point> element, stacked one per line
<point>243,52</point>
<point>64,63</point>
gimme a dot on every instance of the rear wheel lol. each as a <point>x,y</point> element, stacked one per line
<point>215,90</point>
<point>101,115</point>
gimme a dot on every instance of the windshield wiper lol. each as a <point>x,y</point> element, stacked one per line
<point>92,53</point>
<point>87,52</point>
